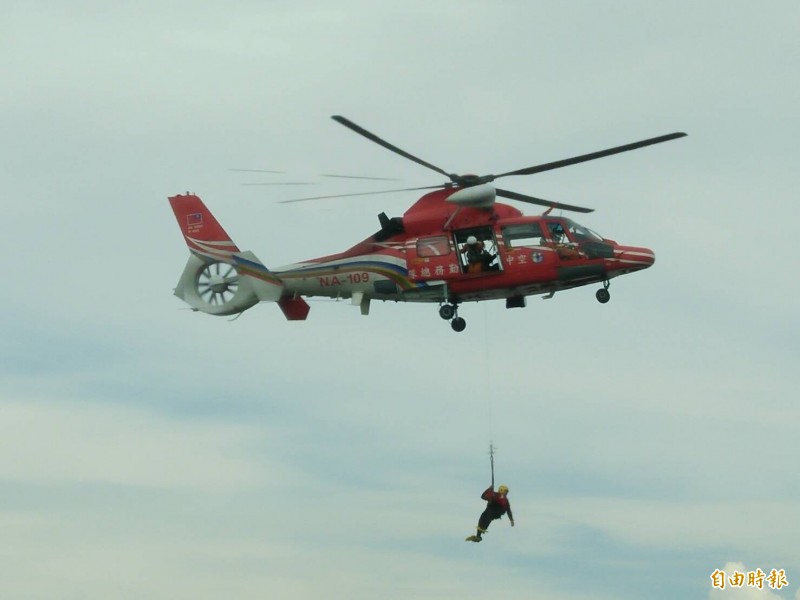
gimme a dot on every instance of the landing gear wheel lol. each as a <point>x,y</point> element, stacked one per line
<point>447,311</point>
<point>603,296</point>
<point>458,324</point>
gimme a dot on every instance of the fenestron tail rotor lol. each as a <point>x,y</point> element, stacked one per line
<point>217,283</point>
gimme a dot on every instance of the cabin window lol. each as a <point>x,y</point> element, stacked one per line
<point>523,234</point>
<point>437,245</point>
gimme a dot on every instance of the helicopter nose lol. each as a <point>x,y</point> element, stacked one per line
<point>638,258</point>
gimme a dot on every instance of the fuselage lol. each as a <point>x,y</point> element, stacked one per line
<point>421,257</point>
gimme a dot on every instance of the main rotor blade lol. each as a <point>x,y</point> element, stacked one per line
<point>540,201</point>
<point>430,187</point>
<point>324,175</point>
<point>374,138</point>
<point>362,177</point>
<point>282,183</point>
<point>586,157</point>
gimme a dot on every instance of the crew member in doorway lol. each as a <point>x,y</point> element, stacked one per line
<point>496,506</point>
<point>476,255</point>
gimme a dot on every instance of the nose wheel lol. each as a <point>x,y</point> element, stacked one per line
<point>449,312</point>
<point>603,295</point>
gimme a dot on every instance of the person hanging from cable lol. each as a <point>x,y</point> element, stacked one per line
<point>497,504</point>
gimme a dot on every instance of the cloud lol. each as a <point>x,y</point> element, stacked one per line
<point>59,441</point>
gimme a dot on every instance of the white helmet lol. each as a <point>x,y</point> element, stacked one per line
<point>472,240</point>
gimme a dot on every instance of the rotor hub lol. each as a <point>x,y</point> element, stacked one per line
<point>469,179</point>
<point>217,284</point>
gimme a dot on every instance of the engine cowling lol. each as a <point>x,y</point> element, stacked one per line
<point>476,196</point>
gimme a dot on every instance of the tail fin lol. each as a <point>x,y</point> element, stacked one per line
<point>202,232</point>
<point>218,279</point>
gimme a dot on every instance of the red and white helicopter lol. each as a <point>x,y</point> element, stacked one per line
<point>454,245</point>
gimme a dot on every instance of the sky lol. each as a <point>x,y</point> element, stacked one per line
<point>147,451</point>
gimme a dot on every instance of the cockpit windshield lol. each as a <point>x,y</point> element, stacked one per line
<point>579,233</point>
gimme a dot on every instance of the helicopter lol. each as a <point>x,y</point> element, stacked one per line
<point>455,244</point>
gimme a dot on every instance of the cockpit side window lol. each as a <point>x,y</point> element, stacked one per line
<point>438,245</point>
<point>523,234</point>
<point>582,234</point>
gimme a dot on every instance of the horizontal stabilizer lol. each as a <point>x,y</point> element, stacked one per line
<point>294,309</point>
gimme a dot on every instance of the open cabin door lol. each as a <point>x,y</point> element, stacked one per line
<point>481,258</point>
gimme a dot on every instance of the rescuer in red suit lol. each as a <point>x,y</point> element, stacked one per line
<point>496,506</point>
